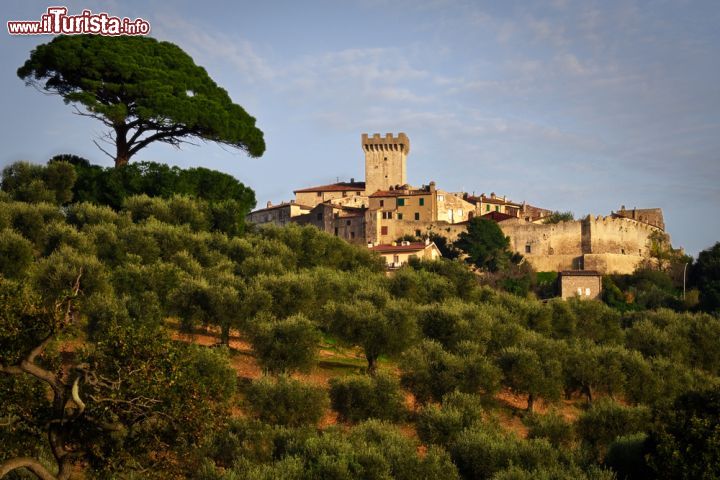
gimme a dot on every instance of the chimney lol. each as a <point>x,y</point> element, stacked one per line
<point>432,186</point>
<point>427,241</point>
<point>352,180</point>
<point>269,204</point>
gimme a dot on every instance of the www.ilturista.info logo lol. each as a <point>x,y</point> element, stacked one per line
<point>57,22</point>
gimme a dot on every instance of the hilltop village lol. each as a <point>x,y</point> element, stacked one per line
<point>384,208</point>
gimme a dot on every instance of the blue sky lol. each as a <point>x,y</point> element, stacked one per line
<point>569,105</point>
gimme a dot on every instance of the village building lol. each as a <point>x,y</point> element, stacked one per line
<point>279,215</point>
<point>398,254</point>
<point>385,208</point>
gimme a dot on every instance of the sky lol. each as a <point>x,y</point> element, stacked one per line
<point>568,105</point>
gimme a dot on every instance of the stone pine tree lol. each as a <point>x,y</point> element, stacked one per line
<point>143,90</point>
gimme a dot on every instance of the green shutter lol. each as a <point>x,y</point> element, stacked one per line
<point>401,202</point>
<point>422,202</point>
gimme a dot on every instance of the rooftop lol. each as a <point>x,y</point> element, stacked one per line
<point>335,187</point>
<point>410,247</point>
<point>580,273</point>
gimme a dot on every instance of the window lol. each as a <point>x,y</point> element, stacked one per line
<point>422,202</point>
<point>487,208</point>
<point>441,198</point>
<point>383,230</point>
<point>528,248</point>
<point>319,194</point>
<point>399,216</point>
<point>401,202</point>
<point>319,216</point>
<point>352,234</point>
<point>344,194</point>
<point>497,208</point>
<point>382,203</point>
<point>387,215</point>
<point>418,233</point>
<point>580,292</point>
<point>347,222</point>
<point>587,292</point>
<point>336,231</point>
<point>417,216</point>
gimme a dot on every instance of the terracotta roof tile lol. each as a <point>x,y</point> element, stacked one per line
<point>335,187</point>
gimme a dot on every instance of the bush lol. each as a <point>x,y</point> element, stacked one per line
<point>430,372</point>
<point>480,454</point>
<point>16,254</point>
<point>551,426</point>
<point>626,456</point>
<point>685,440</point>
<point>284,401</point>
<point>358,398</point>
<point>606,420</point>
<point>285,345</point>
<point>440,425</point>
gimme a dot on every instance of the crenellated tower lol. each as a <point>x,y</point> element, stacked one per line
<point>385,161</point>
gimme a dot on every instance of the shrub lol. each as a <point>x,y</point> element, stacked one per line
<point>626,456</point>
<point>358,398</point>
<point>551,426</point>
<point>16,254</point>
<point>440,425</point>
<point>606,420</point>
<point>284,401</point>
<point>285,345</point>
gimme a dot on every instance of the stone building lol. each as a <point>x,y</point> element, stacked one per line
<point>278,214</point>
<point>583,284</point>
<point>398,254</point>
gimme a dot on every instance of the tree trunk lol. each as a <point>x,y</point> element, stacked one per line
<point>531,402</point>
<point>372,364</point>
<point>588,393</point>
<point>122,155</point>
<point>225,334</point>
<point>28,463</point>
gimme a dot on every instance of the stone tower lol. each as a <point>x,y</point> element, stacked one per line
<point>385,161</point>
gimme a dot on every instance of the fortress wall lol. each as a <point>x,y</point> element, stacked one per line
<point>612,262</point>
<point>554,263</point>
<point>620,236</point>
<point>564,238</point>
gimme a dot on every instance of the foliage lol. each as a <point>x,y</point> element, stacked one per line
<point>145,91</point>
<point>551,426</point>
<point>557,217</point>
<point>685,438</point>
<point>27,182</point>
<point>379,327</point>
<point>440,425</point>
<point>358,398</point>
<point>285,345</point>
<point>606,420</point>
<point>525,372</point>
<point>430,372</point>
<point>705,275</point>
<point>626,456</point>
<point>486,246</point>
<point>285,401</point>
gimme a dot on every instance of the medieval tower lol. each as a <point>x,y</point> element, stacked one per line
<point>385,161</point>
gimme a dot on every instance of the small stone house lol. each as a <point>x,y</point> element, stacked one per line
<point>584,284</point>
